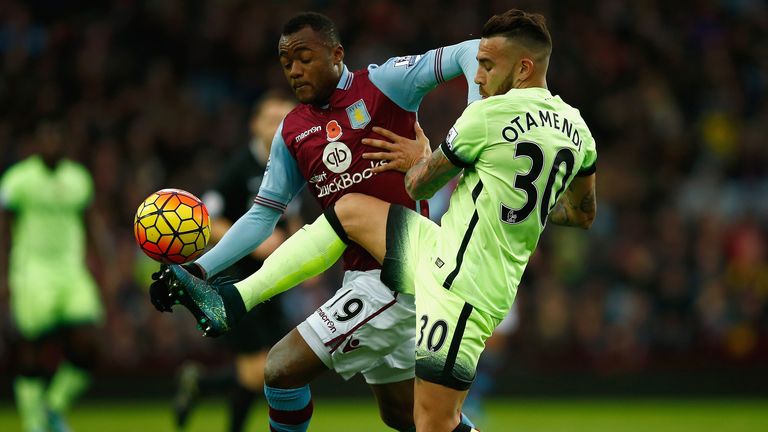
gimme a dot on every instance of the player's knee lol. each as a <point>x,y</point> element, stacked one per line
<point>345,209</point>
<point>277,370</point>
<point>357,223</point>
<point>274,375</point>
<point>433,420</point>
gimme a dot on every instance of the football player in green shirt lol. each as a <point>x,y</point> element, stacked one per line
<point>53,297</point>
<point>527,158</point>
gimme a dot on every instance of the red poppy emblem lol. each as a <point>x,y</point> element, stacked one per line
<point>333,130</point>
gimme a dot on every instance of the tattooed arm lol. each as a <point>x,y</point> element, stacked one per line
<point>578,205</point>
<point>429,174</point>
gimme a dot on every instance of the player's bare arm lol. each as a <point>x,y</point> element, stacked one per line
<point>400,153</point>
<point>578,205</point>
<point>429,175</point>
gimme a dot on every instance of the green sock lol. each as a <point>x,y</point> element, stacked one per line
<point>309,252</point>
<point>29,399</point>
<point>68,383</point>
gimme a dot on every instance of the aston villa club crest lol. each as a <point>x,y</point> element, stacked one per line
<point>358,115</point>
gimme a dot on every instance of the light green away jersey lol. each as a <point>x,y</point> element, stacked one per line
<point>48,212</point>
<point>519,152</point>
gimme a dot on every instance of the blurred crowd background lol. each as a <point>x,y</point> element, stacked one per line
<point>672,277</point>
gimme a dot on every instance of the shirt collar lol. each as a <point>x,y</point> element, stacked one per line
<point>537,91</point>
<point>345,82</point>
<point>346,78</point>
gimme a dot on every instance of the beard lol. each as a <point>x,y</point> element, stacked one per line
<point>506,85</point>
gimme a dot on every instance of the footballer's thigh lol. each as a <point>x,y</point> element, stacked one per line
<point>364,219</point>
<point>291,363</point>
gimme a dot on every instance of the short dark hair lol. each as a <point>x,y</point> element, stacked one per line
<point>529,28</point>
<point>318,22</point>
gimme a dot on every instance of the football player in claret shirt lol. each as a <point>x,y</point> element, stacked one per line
<point>365,327</point>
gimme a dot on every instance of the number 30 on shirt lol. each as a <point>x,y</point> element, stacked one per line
<point>527,182</point>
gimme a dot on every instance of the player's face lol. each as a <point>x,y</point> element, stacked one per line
<point>265,123</point>
<point>311,66</point>
<point>50,142</point>
<point>497,60</point>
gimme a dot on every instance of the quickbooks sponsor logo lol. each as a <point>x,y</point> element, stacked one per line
<point>346,180</point>
<point>337,157</point>
<point>317,178</point>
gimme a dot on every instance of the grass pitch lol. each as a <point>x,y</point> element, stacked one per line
<point>501,415</point>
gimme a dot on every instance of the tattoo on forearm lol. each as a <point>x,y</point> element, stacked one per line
<point>559,213</point>
<point>566,213</point>
<point>588,202</point>
<point>428,175</point>
<point>415,172</point>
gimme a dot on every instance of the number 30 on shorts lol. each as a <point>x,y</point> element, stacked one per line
<point>435,336</point>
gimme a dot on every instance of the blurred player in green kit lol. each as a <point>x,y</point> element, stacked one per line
<point>53,297</point>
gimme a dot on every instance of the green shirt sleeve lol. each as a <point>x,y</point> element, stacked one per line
<point>589,163</point>
<point>467,137</point>
<point>9,189</point>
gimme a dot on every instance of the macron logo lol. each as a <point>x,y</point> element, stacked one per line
<point>306,133</point>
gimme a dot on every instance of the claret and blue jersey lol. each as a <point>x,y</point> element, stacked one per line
<point>320,147</point>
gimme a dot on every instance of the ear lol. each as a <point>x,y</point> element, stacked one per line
<point>527,67</point>
<point>338,54</point>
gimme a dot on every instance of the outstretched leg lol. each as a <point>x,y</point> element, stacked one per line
<point>307,253</point>
<point>313,249</point>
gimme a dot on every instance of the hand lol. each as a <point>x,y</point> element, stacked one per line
<point>401,153</point>
<point>159,290</point>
